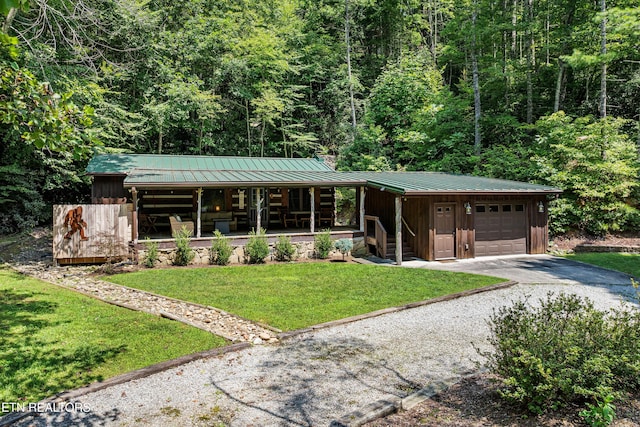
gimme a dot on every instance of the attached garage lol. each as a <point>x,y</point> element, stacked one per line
<point>439,217</point>
<point>501,229</point>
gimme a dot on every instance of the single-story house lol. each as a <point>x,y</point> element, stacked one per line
<point>434,216</point>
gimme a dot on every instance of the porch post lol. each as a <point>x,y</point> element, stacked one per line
<point>312,217</point>
<point>134,215</point>
<point>398,230</point>
<point>362,193</point>
<point>258,211</point>
<point>199,219</point>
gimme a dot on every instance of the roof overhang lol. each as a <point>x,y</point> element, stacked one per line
<point>141,178</point>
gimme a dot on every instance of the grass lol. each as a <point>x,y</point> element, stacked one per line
<point>625,262</point>
<point>54,339</point>
<point>292,296</point>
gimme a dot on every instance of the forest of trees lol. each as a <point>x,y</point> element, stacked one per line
<point>544,91</point>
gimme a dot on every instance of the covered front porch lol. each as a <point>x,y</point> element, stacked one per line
<point>160,211</point>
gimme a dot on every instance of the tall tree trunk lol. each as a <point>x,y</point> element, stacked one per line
<point>246,109</point>
<point>559,80</point>
<point>562,67</point>
<point>477,140</point>
<point>514,23</point>
<point>160,141</point>
<point>264,125</point>
<point>531,60</point>
<point>603,53</point>
<point>9,19</point>
<point>347,39</point>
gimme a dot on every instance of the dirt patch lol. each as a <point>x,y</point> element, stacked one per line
<point>474,402</point>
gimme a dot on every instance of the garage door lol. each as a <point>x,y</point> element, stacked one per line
<point>501,229</point>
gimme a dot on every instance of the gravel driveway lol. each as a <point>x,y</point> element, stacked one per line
<point>317,377</point>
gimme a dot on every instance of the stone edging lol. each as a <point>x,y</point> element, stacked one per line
<point>598,248</point>
<point>386,407</point>
<point>291,334</point>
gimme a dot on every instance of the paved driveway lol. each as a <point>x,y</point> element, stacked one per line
<point>319,376</point>
<point>531,269</point>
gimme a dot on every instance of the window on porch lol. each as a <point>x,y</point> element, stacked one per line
<point>299,199</point>
<point>213,200</point>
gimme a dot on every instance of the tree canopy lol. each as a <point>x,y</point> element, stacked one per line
<point>534,90</point>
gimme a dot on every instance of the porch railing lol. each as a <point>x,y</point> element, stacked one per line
<point>404,221</point>
<point>375,235</point>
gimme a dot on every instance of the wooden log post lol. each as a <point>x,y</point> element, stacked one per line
<point>312,215</point>
<point>258,212</point>
<point>398,230</point>
<point>134,215</point>
<point>362,212</point>
<point>199,217</point>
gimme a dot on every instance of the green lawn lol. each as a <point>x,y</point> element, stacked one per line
<point>627,263</point>
<point>53,339</point>
<point>292,296</point>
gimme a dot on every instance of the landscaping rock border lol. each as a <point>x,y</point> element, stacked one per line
<point>603,248</point>
<point>231,327</point>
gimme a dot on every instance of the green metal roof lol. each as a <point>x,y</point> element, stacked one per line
<point>123,164</point>
<point>145,178</point>
<point>149,170</point>
<point>425,183</point>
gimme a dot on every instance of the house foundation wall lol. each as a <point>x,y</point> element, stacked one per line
<point>305,250</point>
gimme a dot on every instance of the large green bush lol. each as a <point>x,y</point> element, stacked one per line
<point>257,247</point>
<point>564,351</point>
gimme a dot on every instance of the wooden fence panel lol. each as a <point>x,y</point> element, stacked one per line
<point>91,233</point>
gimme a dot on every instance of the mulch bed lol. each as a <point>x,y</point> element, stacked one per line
<point>474,402</point>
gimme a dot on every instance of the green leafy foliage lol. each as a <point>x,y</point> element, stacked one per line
<point>184,254</point>
<point>152,253</point>
<point>257,247</point>
<point>344,246</point>
<point>564,351</point>
<point>21,205</point>
<point>596,164</point>
<point>221,249</point>
<point>323,244</point>
<point>601,414</point>
<point>283,249</point>
<point>270,78</point>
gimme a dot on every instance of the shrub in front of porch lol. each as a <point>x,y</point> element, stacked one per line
<point>221,250</point>
<point>283,249</point>
<point>344,246</point>
<point>257,247</point>
<point>184,254</point>
<point>323,244</point>
<point>152,253</point>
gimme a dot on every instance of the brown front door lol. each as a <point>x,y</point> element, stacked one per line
<point>445,224</point>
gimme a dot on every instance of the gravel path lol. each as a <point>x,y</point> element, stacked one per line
<point>316,377</point>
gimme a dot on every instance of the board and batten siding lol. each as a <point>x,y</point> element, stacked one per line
<point>107,233</point>
<point>419,215</point>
